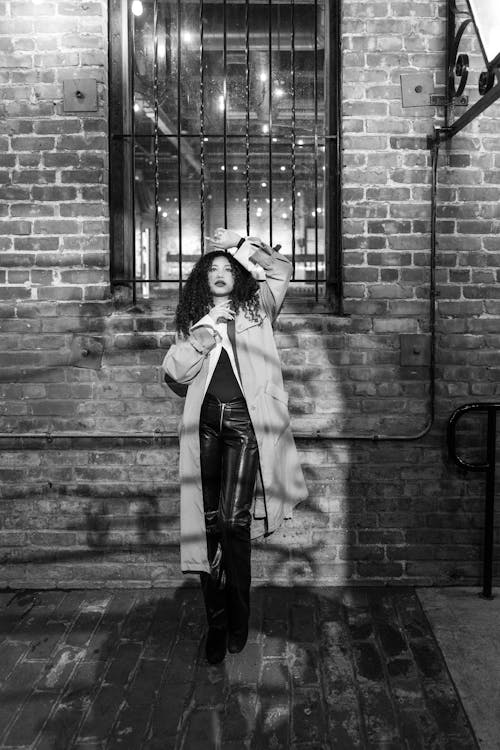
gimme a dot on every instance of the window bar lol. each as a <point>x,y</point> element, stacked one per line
<point>270,126</point>
<point>294,123</point>
<point>179,202</point>
<point>247,117</point>
<point>131,59</point>
<point>315,92</point>
<point>202,136</point>
<point>156,143</point>
<point>224,62</point>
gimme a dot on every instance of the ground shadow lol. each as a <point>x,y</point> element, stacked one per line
<point>328,669</point>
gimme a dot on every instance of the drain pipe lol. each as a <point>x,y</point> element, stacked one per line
<point>159,434</point>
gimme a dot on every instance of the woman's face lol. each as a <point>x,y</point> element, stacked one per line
<point>220,277</point>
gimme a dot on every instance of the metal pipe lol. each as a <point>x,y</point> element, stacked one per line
<point>315,98</point>
<point>318,435</point>
<point>131,117</point>
<point>270,122</point>
<point>247,116</point>
<point>487,466</point>
<point>179,128</point>
<point>224,143</point>
<point>156,145</point>
<point>489,510</point>
<point>294,130</point>
<point>202,133</point>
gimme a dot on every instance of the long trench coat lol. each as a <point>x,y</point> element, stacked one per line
<point>281,475</point>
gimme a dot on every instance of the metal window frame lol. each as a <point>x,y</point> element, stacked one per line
<point>121,152</point>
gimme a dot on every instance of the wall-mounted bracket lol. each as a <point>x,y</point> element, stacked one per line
<point>86,352</point>
<point>80,95</point>
<point>440,100</point>
<point>415,349</point>
<point>475,15</point>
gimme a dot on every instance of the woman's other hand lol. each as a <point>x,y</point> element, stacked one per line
<point>222,311</point>
<point>224,238</point>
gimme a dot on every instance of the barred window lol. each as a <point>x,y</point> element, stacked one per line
<point>223,113</point>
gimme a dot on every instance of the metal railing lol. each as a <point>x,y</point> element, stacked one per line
<point>488,466</point>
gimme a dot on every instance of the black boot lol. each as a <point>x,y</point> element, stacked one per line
<point>238,573</point>
<point>214,595</point>
<point>215,647</point>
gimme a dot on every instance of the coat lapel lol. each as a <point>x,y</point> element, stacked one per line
<point>242,322</point>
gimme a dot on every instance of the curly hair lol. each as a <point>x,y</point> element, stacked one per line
<point>196,298</point>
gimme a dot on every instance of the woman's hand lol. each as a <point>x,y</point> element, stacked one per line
<point>224,238</point>
<point>222,310</point>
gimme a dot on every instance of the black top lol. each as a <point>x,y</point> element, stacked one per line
<point>223,384</point>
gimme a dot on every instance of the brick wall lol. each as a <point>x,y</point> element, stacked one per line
<point>103,511</point>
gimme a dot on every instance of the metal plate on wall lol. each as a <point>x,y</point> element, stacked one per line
<point>416,89</point>
<point>86,352</point>
<point>415,349</point>
<point>80,95</point>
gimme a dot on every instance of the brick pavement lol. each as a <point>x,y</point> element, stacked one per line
<point>324,669</point>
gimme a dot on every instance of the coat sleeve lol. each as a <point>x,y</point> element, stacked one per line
<point>185,358</point>
<point>278,272</point>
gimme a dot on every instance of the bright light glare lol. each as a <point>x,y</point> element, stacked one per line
<point>137,8</point>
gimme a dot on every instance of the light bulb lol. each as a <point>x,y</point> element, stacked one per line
<point>137,8</point>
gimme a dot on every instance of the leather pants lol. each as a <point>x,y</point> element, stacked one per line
<point>229,463</point>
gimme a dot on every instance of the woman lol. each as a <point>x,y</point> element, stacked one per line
<point>235,425</point>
